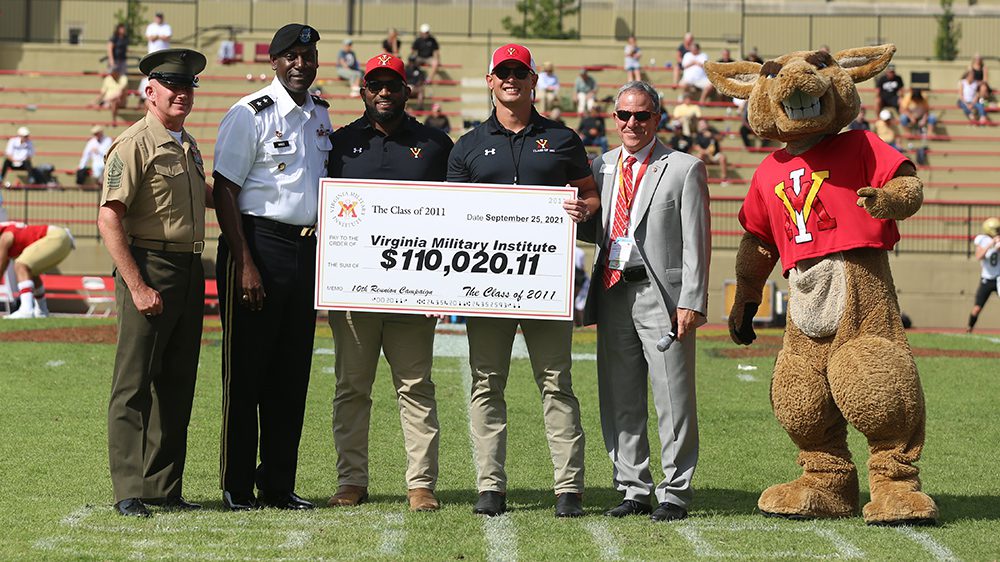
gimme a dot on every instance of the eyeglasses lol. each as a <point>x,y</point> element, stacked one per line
<point>375,86</point>
<point>504,72</point>
<point>639,115</point>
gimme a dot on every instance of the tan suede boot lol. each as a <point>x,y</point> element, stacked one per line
<point>348,496</point>
<point>422,499</point>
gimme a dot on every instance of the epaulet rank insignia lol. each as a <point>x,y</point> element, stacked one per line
<point>320,101</point>
<point>261,103</point>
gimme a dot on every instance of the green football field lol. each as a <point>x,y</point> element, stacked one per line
<point>55,491</point>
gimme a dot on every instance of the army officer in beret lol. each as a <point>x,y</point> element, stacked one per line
<point>271,152</point>
<point>152,220</point>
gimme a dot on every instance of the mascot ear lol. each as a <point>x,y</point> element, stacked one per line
<point>864,63</point>
<point>734,79</point>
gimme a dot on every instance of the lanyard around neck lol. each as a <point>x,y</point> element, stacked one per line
<point>636,181</point>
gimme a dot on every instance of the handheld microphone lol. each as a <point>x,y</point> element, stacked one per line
<point>666,341</point>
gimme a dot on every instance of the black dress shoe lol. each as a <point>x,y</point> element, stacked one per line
<point>569,504</point>
<point>236,502</point>
<point>175,503</point>
<point>132,507</point>
<point>667,511</point>
<point>283,501</point>
<point>490,504</point>
<point>629,507</point>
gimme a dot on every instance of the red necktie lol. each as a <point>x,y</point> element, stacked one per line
<point>619,227</point>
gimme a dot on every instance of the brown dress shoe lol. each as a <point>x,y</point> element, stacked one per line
<point>347,496</point>
<point>422,499</point>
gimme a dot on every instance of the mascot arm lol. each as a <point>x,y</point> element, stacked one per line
<point>898,199</point>
<point>754,262</point>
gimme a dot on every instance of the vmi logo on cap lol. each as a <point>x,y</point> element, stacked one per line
<point>511,51</point>
<point>306,35</point>
<point>384,59</point>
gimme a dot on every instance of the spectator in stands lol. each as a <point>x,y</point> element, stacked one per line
<point>35,250</point>
<point>752,56</point>
<point>746,132</point>
<point>427,50</point>
<point>391,44</point>
<point>118,50</point>
<point>682,50</point>
<point>889,86</point>
<point>114,92</point>
<point>92,159</point>
<point>158,34</point>
<point>969,101</point>
<point>859,123</point>
<point>687,113</point>
<point>556,115</point>
<point>678,140</point>
<point>592,129</point>
<point>824,48</point>
<point>887,129</point>
<point>348,67</point>
<point>988,253</point>
<point>416,79</point>
<point>141,88</point>
<point>978,68</point>
<point>726,56</point>
<point>18,154</point>
<point>437,119</point>
<point>915,112</point>
<point>694,72</point>
<point>633,60</point>
<point>707,147</point>
<point>547,87</point>
<point>585,89</point>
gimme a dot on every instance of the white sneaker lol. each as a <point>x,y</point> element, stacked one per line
<point>39,313</point>
<point>21,314</point>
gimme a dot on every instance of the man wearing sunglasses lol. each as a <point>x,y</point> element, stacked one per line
<point>649,288</point>
<point>516,145</point>
<point>387,144</point>
<point>271,152</point>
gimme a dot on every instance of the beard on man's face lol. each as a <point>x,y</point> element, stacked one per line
<point>383,117</point>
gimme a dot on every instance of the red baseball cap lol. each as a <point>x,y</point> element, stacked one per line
<point>514,52</point>
<point>386,61</point>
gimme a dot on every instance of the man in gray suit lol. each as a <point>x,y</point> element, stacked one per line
<point>649,292</point>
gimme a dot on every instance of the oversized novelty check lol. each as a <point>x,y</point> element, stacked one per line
<point>445,248</point>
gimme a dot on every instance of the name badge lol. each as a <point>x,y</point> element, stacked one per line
<point>621,250</point>
<point>281,144</point>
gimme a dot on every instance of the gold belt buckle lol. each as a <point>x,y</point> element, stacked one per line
<point>198,247</point>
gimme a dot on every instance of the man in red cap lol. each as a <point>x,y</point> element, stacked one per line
<point>386,143</point>
<point>516,145</point>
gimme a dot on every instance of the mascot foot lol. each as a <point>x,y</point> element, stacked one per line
<point>810,497</point>
<point>898,508</point>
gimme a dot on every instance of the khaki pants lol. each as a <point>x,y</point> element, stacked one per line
<point>408,342</point>
<point>47,252</point>
<point>549,348</point>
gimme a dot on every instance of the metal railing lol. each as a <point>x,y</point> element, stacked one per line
<point>940,227</point>
<point>775,31</point>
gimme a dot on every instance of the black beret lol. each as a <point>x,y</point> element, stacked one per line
<point>291,35</point>
<point>173,66</point>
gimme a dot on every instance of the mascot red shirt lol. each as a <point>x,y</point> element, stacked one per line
<point>24,235</point>
<point>806,205</point>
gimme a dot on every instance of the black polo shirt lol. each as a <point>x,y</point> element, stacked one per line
<point>543,153</point>
<point>413,152</point>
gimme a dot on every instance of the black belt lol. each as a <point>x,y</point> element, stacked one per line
<point>176,247</point>
<point>635,274</point>
<point>282,229</point>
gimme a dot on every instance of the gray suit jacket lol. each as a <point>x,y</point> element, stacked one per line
<point>673,235</point>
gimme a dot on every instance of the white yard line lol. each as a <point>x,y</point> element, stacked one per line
<point>296,539</point>
<point>936,549</point>
<point>844,548</point>
<point>501,539</point>
<point>604,540</point>
<point>704,548</point>
<point>393,534</point>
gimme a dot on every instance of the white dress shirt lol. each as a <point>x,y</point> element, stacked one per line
<point>158,30</point>
<point>94,153</point>
<point>19,150</point>
<point>547,81</point>
<point>277,155</point>
<point>633,219</point>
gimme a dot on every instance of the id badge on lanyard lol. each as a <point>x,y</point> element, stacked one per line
<point>622,246</point>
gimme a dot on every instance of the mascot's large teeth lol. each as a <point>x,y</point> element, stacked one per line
<point>801,105</point>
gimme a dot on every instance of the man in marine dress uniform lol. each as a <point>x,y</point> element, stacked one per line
<point>396,147</point>
<point>516,145</point>
<point>152,221</point>
<point>271,152</point>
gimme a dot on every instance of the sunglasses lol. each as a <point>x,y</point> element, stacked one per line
<point>504,72</point>
<point>375,86</point>
<point>639,115</point>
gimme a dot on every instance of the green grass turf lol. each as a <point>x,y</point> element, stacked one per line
<point>55,492</point>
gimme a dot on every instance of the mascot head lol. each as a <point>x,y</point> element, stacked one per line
<point>803,94</point>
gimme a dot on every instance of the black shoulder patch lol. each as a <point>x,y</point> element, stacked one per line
<point>261,103</point>
<point>320,101</point>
